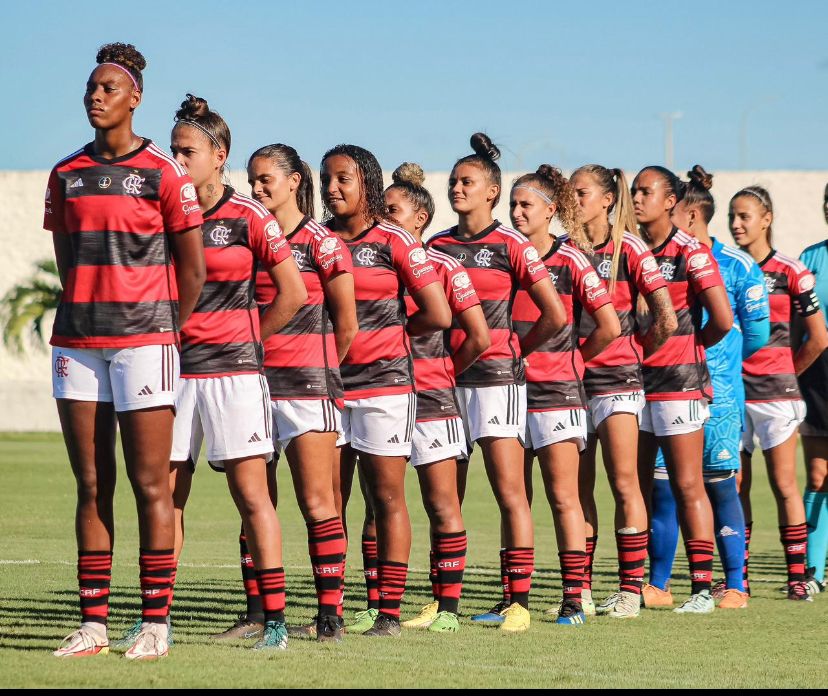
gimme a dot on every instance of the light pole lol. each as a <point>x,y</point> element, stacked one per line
<point>668,136</point>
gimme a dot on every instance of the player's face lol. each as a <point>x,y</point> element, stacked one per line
<point>341,186</point>
<point>402,210</point>
<point>529,212</point>
<point>825,204</point>
<point>681,217</point>
<point>651,199</point>
<point>593,201</point>
<point>749,221</point>
<point>110,97</point>
<point>469,189</point>
<point>194,151</point>
<point>268,183</point>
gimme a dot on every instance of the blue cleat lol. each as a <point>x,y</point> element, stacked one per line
<point>570,614</point>
<point>493,616</point>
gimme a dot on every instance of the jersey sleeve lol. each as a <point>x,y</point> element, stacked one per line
<point>702,269</point>
<point>802,284</point>
<point>459,290</point>
<point>526,262</point>
<point>53,219</point>
<point>179,202</point>
<point>644,270</point>
<point>330,256</point>
<point>266,240</point>
<point>411,262</point>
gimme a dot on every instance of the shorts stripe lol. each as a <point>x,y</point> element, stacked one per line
<point>411,418</point>
<point>266,407</point>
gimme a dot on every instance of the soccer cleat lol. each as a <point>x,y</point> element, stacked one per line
<point>445,622</point>
<point>813,585</point>
<point>719,589</point>
<point>423,620</point>
<point>587,603</point>
<point>734,599</point>
<point>608,604</point>
<point>652,596</point>
<point>243,629</point>
<point>570,613</point>
<point>384,627</point>
<point>493,616</point>
<point>275,637</point>
<point>627,606</point>
<point>329,629</point>
<point>83,643</point>
<point>699,603</point>
<point>128,639</point>
<point>151,643</point>
<point>363,621</point>
<point>305,632</point>
<point>515,619</point>
<point>798,592</point>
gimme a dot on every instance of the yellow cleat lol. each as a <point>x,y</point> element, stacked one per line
<point>515,619</point>
<point>425,618</point>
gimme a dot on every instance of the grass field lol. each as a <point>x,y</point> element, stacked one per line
<point>774,643</point>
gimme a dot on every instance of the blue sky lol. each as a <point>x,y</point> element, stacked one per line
<point>564,83</point>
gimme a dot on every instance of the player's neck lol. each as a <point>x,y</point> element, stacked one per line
<point>288,216</point>
<point>541,239</point>
<point>598,230</point>
<point>474,222</point>
<point>352,226</point>
<point>116,142</point>
<point>702,233</point>
<point>658,231</point>
<point>759,249</point>
<point>210,193</point>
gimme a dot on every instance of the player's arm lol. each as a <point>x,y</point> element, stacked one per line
<point>190,269</point>
<point>552,315</point>
<point>664,322</point>
<point>433,313</point>
<point>63,253</point>
<point>291,294</point>
<point>339,295</point>
<point>720,315</point>
<point>607,329</point>
<point>477,339</point>
<point>815,341</point>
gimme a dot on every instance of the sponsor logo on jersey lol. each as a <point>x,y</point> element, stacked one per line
<point>531,255</point>
<point>462,256</point>
<point>104,182</point>
<point>273,234</point>
<point>806,283</point>
<point>591,280</point>
<point>133,184</point>
<point>220,235</point>
<point>604,268</point>
<point>755,292</point>
<point>649,264</point>
<point>61,366</point>
<point>366,256</point>
<point>328,246</point>
<point>417,256</point>
<point>188,193</point>
<point>698,261</point>
<point>668,270</point>
<point>462,285</point>
<point>484,258</point>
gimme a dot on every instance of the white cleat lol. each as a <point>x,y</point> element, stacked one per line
<point>151,643</point>
<point>627,606</point>
<point>700,603</point>
<point>84,642</point>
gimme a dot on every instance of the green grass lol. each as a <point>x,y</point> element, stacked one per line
<point>775,643</point>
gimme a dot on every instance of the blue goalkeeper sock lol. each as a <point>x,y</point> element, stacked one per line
<point>664,534</point>
<point>729,520</point>
<point>816,515</point>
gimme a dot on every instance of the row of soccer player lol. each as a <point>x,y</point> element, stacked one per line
<point>379,347</point>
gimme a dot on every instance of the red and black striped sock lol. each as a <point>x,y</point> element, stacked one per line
<point>520,564</point>
<point>272,590</point>
<point>392,577</point>
<point>369,565</point>
<point>172,587</point>
<point>326,546</point>
<point>504,579</point>
<point>794,539</point>
<point>450,555</point>
<point>94,579</point>
<point>748,530</point>
<point>156,569</point>
<point>572,574</point>
<point>432,572</point>
<point>255,611</point>
<point>591,542</point>
<point>632,555</point>
<point>341,604</point>
<point>700,558</point>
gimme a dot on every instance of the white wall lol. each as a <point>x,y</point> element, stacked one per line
<point>25,388</point>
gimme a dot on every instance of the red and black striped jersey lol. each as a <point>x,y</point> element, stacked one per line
<point>221,337</point>
<point>121,290</point>
<point>300,360</point>
<point>554,370</point>
<point>500,261</point>
<point>769,373</point>
<point>678,370</point>
<point>617,369</point>
<point>433,368</point>
<point>387,261</point>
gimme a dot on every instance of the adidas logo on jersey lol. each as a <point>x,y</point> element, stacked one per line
<point>78,183</point>
<point>146,391</point>
<point>494,420</point>
<point>678,421</point>
<point>394,440</point>
<point>255,438</point>
<point>727,531</point>
<point>435,445</point>
<point>724,455</point>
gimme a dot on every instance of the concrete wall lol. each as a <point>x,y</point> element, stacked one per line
<point>25,387</point>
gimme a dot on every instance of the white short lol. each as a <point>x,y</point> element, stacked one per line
<point>295,417</point>
<point>665,418</point>
<point>129,378</point>
<point>381,425</point>
<point>603,406</point>
<point>548,427</point>
<point>437,440</point>
<point>232,413</point>
<point>771,423</point>
<point>492,412</point>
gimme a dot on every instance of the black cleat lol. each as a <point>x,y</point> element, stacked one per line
<point>329,629</point>
<point>244,628</point>
<point>384,627</point>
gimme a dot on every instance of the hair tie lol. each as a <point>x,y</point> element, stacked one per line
<point>195,124</point>
<point>129,74</point>
<point>536,191</point>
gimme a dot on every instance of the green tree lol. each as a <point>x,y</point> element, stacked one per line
<point>24,308</point>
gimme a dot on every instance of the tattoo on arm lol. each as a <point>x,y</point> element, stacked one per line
<point>664,318</point>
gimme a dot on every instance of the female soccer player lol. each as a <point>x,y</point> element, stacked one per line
<point>118,209</point>
<point>613,380</point>
<point>676,380</point>
<point>556,422</point>
<point>746,292</point>
<point>222,395</point>
<point>438,439</point>
<point>492,392</point>
<point>380,403</point>
<point>774,407</point>
<point>302,365</point>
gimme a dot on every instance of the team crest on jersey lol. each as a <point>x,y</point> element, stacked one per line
<point>328,246</point>
<point>649,265</point>
<point>807,283</point>
<point>133,184</point>
<point>366,256</point>
<point>668,270</point>
<point>220,235</point>
<point>104,182</point>
<point>484,258</point>
<point>417,256</point>
<point>770,283</point>
<point>605,268</point>
<point>299,257</point>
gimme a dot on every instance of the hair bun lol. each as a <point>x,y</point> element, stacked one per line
<point>122,54</point>
<point>484,147</point>
<point>699,177</point>
<point>192,109</point>
<point>408,173</point>
<point>547,171</point>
